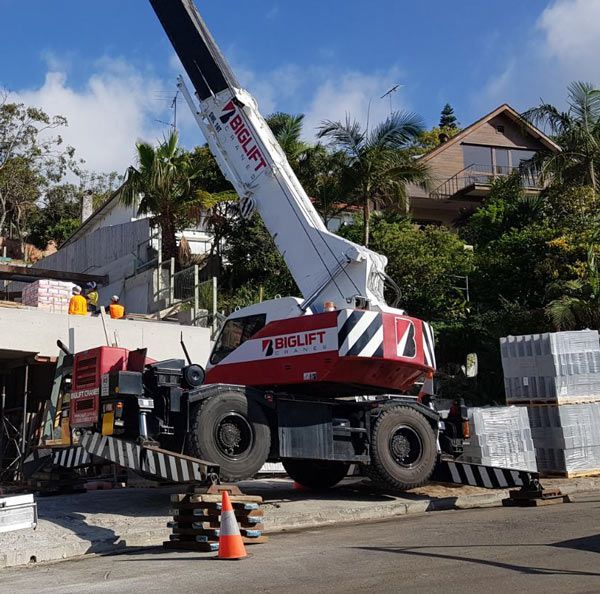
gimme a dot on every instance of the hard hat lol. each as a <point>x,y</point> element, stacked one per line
<point>76,290</point>
<point>115,298</point>
<point>92,286</point>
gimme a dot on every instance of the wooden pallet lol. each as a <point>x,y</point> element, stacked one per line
<point>197,518</point>
<point>559,402</point>
<point>570,474</point>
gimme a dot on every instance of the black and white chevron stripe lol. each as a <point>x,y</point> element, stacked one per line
<point>489,477</point>
<point>360,333</point>
<point>71,457</point>
<point>247,206</point>
<point>159,463</point>
<point>428,345</point>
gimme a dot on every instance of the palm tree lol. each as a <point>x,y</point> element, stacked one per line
<point>161,185</point>
<point>577,131</point>
<point>378,166</point>
<point>579,306</point>
<point>287,129</point>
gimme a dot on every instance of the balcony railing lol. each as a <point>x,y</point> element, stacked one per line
<point>482,175</point>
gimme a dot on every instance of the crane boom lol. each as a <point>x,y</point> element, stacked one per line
<point>326,267</point>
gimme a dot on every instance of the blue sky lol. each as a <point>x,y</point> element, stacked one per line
<point>110,69</point>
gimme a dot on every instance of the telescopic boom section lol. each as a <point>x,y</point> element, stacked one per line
<point>325,266</point>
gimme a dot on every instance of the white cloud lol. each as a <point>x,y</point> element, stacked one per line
<point>107,116</point>
<point>355,94</point>
<point>563,46</point>
<point>572,32</point>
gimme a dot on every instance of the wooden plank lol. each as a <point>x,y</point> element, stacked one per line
<point>29,274</point>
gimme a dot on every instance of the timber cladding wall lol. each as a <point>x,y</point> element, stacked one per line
<point>450,161</point>
<point>100,248</point>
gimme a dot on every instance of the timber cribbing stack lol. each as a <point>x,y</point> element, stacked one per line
<point>197,518</point>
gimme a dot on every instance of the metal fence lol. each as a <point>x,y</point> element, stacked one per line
<point>195,300</point>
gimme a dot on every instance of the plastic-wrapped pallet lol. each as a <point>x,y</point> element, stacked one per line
<point>49,295</point>
<point>567,438</point>
<point>557,368</point>
<point>500,436</point>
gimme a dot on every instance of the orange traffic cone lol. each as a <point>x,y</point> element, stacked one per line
<point>231,545</point>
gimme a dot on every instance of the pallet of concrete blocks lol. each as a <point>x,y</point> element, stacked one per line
<point>500,436</point>
<point>197,519</point>
<point>552,368</point>
<point>566,438</point>
<point>49,295</point>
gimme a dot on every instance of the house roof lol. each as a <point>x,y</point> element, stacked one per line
<point>506,110</point>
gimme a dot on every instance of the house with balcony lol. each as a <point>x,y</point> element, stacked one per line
<point>463,168</point>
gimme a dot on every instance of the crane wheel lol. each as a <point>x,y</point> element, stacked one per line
<point>232,431</point>
<point>316,474</point>
<point>403,449</point>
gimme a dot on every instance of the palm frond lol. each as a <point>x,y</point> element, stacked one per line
<point>346,136</point>
<point>584,103</point>
<point>397,131</point>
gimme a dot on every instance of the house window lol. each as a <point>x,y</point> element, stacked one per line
<point>478,157</point>
<point>494,160</point>
<point>521,155</point>
<point>502,165</point>
<point>500,129</point>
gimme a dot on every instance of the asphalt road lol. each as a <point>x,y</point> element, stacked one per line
<point>548,549</point>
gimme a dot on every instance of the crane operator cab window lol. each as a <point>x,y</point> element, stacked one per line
<point>234,334</point>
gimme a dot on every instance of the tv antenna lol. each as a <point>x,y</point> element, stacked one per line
<point>390,93</point>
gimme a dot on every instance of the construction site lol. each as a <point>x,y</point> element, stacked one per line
<point>167,424</point>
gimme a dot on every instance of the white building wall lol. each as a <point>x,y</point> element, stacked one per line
<point>29,330</point>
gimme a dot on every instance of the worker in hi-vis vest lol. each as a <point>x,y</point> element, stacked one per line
<point>78,303</point>
<point>92,298</point>
<point>117,311</point>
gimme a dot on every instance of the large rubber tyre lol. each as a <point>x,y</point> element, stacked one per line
<point>316,474</point>
<point>232,431</point>
<point>403,449</point>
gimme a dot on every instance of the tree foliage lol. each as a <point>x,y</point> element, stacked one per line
<point>162,185</point>
<point>378,166</point>
<point>32,158</point>
<point>428,264</point>
<point>447,118</point>
<point>577,131</point>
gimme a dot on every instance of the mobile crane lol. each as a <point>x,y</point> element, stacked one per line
<point>316,382</point>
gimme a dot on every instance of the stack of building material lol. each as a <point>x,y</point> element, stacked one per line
<point>49,295</point>
<point>552,368</point>
<point>197,518</point>
<point>557,377</point>
<point>567,438</point>
<point>500,436</point>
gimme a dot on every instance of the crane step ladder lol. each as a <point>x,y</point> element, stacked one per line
<point>530,492</point>
<point>144,459</point>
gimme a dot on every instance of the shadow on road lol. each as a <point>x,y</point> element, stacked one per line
<point>421,552</point>
<point>587,543</point>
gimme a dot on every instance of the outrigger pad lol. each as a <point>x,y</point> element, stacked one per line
<point>475,475</point>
